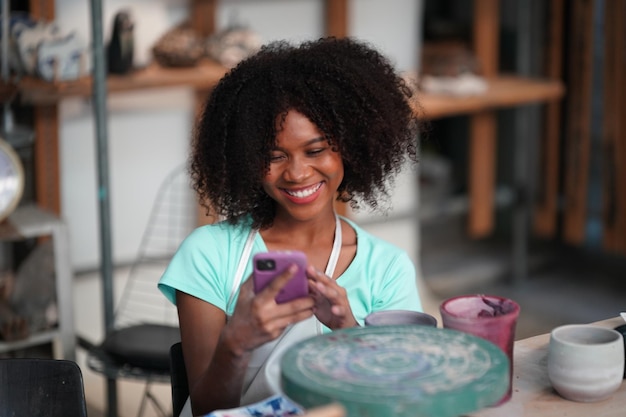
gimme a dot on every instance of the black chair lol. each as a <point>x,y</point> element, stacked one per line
<point>180,388</point>
<point>178,378</point>
<point>41,388</point>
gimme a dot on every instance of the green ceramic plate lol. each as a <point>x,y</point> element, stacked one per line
<point>399,371</point>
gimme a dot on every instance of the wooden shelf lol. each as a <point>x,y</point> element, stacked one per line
<point>503,91</point>
<point>202,76</point>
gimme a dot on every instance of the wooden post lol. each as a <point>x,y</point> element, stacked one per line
<point>578,130</point>
<point>614,129</point>
<point>486,41</point>
<point>46,125</point>
<point>336,18</point>
<point>482,173</point>
<point>46,156</point>
<point>41,9</point>
<point>203,16</point>
<point>482,166</point>
<point>546,210</point>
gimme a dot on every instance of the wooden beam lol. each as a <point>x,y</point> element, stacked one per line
<point>336,21</point>
<point>482,175</point>
<point>46,126</point>
<point>578,129</point>
<point>46,156</point>
<point>546,209</point>
<point>482,157</point>
<point>486,35</point>
<point>614,129</point>
<point>336,18</point>
<point>41,9</point>
<point>620,105</point>
<point>203,17</point>
<point>203,76</point>
<point>505,91</point>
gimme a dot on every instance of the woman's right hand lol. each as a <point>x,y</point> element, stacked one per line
<point>258,319</point>
<point>217,350</point>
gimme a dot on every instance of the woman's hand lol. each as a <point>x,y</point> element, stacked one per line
<point>258,319</point>
<point>331,301</point>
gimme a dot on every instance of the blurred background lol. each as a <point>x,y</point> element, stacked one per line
<point>521,185</point>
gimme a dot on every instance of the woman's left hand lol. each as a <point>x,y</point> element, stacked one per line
<point>332,308</point>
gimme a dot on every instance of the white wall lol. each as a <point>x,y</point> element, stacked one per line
<point>149,131</point>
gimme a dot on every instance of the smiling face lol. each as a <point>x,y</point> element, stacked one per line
<point>305,172</point>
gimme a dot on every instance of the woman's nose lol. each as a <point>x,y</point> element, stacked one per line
<point>296,170</point>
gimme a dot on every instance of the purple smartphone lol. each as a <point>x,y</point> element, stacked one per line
<point>268,265</point>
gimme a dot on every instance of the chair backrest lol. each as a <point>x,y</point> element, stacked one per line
<point>173,216</point>
<point>41,387</point>
<point>178,375</point>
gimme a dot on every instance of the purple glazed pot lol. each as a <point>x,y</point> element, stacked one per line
<point>488,316</point>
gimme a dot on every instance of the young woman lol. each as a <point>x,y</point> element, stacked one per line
<point>284,136</point>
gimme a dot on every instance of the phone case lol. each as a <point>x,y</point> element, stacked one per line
<point>268,265</point>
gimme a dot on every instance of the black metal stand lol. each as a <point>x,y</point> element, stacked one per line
<point>100,120</point>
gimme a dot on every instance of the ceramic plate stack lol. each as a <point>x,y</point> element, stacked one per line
<point>400,371</point>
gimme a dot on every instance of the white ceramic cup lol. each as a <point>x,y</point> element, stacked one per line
<point>394,317</point>
<point>585,362</point>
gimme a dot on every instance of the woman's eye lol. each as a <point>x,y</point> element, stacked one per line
<point>276,157</point>
<point>316,151</point>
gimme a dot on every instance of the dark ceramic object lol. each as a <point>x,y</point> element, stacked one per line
<point>395,317</point>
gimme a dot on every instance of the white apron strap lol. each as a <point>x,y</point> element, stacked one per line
<point>241,267</point>
<point>334,253</point>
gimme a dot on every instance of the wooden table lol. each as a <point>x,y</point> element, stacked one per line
<point>533,396</point>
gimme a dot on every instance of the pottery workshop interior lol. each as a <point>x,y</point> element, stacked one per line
<point>517,195</point>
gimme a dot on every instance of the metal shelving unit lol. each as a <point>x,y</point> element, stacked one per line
<point>32,222</point>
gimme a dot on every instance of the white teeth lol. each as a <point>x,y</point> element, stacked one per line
<point>304,193</point>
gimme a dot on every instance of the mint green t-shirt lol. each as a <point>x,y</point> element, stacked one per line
<point>380,277</point>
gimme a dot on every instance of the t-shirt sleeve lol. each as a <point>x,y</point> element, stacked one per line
<point>193,269</point>
<point>398,290</point>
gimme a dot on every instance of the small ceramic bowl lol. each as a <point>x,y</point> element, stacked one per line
<point>394,317</point>
<point>585,362</point>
